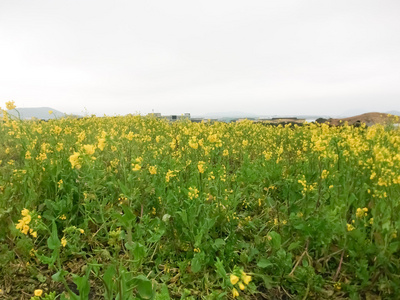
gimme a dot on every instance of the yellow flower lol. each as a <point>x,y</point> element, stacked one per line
<point>246,278</point>
<point>170,174</point>
<point>241,286</point>
<point>235,293</point>
<point>38,293</point>
<point>153,170</point>
<point>193,143</point>
<point>89,149</point>
<point>50,112</point>
<point>201,167</point>
<point>101,144</point>
<point>136,167</point>
<point>28,155</point>
<point>130,136</point>
<point>25,212</point>
<point>193,193</point>
<point>57,129</point>
<point>225,153</point>
<point>63,241</point>
<point>74,160</point>
<point>25,229</point>
<point>213,138</point>
<point>10,105</point>
<point>361,212</point>
<point>234,279</point>
<point>27,219</point>
<point>350,227</point>
<point>82,231</point>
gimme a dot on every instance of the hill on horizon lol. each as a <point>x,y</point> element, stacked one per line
<point>41,113</point>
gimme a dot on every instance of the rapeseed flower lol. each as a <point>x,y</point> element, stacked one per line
<point>170,174</point>
<point>193,193</point>
<point>89,149</point>
<point>10,105</point>
<point>101,144</point>
<point>28,155</point>
<point>235,293</point>
<point>136,167</point>
<point>361,212</point>
<point>74,160</point>
<point>246,278</point>
<point>201,167</point>
<point>234,279</point>
<point>153,170</point>
<point>350,227</point>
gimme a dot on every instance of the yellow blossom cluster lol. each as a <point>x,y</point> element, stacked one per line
<point>193,193</point>
<point>23,224</point>
<point>153,170</point>
<point>75,161</point>
<point>201,166</point>
<point>241,280</point>
<point>361,212</point>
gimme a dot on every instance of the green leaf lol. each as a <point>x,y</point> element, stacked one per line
<point>293,246</point>
<point>264,263</point>
<point>275,240</point>
<point>53,241</point>
<point>143,286</point>
<point>83,286</point>
<point>138,250</point>
<point>108,275</point>
<point>58,277</point>
<point>47,260</point>
<point>218,243</point>
<point>197,262</point>
<point>219,265</point>
<point>164,294</point>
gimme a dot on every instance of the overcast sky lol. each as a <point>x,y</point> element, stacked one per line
<point>262,57</point>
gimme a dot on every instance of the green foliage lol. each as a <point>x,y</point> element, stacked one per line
<point>139,208</point>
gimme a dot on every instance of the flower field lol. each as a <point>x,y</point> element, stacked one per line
<point>140,208</point>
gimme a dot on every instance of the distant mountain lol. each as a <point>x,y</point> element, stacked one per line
<point>41,113</point>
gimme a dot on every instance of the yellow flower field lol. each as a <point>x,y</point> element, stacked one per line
<point>140,208</point>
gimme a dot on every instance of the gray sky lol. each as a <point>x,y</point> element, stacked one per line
<point>263,57</point>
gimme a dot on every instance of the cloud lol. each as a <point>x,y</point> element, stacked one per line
<point>179,56</point>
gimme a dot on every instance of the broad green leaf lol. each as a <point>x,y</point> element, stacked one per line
<point>164,294</point>
<point>58,277</point>
<point>143,286</point>
<point>275,240</point>
<point>264,263</point>
<point>53,241</point>
<point>197,262</point>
